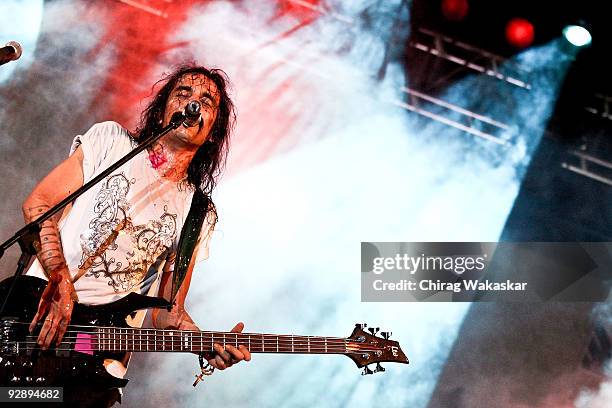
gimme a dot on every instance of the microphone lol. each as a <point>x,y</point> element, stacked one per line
<point>10,52</point>
<point>193,115</point>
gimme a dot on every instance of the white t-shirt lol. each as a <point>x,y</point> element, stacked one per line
<point>119,234</point>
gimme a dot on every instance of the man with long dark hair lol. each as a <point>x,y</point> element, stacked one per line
<point>122,235</point>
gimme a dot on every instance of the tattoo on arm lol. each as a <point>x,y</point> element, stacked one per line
<point>50,253</point>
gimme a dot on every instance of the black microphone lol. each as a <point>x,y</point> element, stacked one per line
<point>193,115</point>
<point>10,52</point>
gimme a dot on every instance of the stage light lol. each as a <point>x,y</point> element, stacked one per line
<point>519,33</point>
<point>455,10</point>
<point>577,35</point>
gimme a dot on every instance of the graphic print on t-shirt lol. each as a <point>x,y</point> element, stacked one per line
<point>111,231</point>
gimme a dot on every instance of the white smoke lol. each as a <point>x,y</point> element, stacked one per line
<point>320,162</point>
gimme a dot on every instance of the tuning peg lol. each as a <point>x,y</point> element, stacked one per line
<point>367,371</point>
<point>379,368</point>
<point>385,335</point>
<point>374,330</point>
<point>361,326</point>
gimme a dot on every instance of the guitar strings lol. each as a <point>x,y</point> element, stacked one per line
<point>112,345</point>
<point>107,337</point>
<point>111,342</point>
<point>95,328</point>
<point>197,345</point>
<point>181,338</point>
<point>321,351</point>
<point>106,342</point>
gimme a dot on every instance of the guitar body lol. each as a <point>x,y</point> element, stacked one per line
<point>31,366</point>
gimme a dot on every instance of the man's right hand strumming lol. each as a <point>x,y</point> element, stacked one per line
<point>55,307</point>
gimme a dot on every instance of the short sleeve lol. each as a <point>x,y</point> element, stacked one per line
<point>98,144</point>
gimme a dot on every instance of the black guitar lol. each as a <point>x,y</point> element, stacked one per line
<point>100,332</point>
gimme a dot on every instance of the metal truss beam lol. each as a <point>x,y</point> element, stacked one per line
<point>590,166</point>
<point>469,123</point>
<point>469,57</point>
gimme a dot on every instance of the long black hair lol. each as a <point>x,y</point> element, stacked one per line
<point>208,162</point>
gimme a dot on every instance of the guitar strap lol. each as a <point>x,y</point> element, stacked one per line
<point>189,238</point>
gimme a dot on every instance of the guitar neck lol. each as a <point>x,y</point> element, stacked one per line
<point>132,339</point>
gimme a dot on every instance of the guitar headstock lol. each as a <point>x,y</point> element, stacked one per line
<point>369,345</point>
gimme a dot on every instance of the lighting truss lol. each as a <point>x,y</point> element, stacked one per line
<point>590,166</point>
<point>469,122</point>
<point>323,10</point>
<point>469,57</point>
<point>145,5</point>
<point>600,106</point>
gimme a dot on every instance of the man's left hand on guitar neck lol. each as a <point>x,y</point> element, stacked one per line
<point>221,358</point>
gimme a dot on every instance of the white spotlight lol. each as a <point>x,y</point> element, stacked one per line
<point>577,35</point>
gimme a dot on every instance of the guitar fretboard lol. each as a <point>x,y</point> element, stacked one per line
<point>130,339</point>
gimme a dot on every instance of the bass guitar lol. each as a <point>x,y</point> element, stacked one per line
<point>100,332</point>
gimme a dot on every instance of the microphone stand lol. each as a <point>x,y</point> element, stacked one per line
<point>28,236</point>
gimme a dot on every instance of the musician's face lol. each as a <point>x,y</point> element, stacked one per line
<point>193,86</point>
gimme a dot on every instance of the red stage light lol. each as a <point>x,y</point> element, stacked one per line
<point>455,10</point>
<point>519,33</point>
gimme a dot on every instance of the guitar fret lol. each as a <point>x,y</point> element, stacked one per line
<point>263,349</point>
<point>292,350</point>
